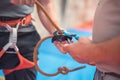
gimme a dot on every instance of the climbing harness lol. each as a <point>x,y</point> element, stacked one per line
<point>24,63</point>
<point>59,35</point>
<point>26,20</point>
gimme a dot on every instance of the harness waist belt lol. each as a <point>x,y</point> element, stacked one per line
<point>23,21</point>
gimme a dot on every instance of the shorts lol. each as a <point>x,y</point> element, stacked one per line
<point>106,76</point>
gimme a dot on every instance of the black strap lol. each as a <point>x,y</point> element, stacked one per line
<point>3,19</point>
<point>113,74</point>
<point>101,75</point>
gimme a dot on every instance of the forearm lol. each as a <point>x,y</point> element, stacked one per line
<point>107,52</point>
<point>49,7</point>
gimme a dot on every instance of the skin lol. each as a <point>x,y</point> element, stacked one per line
<point>48,5</point>
<point>84,51</point>
<point>22,2</point>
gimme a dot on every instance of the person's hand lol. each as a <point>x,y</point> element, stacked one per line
<point>23,2</point>
<point>60,39</point>
<point>60,45</point>
<point>78,50</point>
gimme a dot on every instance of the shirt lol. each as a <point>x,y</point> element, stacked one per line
<point>8,9</point>
<point>107,26</point>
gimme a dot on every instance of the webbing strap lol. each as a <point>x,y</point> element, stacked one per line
<point>12,39</point>
<point>24,21</point>
<point>24,63</point>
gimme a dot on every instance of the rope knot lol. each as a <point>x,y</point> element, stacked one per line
<point>63,70</point>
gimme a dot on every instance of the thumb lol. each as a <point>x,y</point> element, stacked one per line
<point>14,1</point>
<point>66,47</point>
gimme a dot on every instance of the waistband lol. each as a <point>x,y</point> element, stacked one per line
<point>14,21</point>
<point>101,75</point>
<point>4,18</point>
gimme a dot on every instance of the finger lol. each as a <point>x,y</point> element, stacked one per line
<point>64,42</point>
<point>14,1</point>
<point>23,2</point>
<point>84,40</point>
<point>20,2</point>
<point>60,47</point>
<point>32,2</point>
<point>17,2</point>
<point>67,47</point>
<point>27,2</point>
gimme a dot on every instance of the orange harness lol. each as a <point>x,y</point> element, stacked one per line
<point>26,20</point>
<point>24,63</point>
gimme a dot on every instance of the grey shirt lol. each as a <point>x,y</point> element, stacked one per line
<point>107,26</point>
<point>9,10</point>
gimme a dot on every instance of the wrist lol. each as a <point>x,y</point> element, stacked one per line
<point>92,54</point>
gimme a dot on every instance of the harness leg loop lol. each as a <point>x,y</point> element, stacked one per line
<point>24,63</point>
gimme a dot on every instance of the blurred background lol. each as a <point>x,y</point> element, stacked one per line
<point>77,14</point>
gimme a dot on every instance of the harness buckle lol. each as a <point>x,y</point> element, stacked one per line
<point>23,22</point>
<point>12,38</point>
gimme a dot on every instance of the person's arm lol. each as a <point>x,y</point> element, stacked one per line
<point>84,51</point>
<point>109,52</point>
<point>49,7</point>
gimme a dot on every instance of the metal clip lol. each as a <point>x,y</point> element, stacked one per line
<point>12,38</point>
